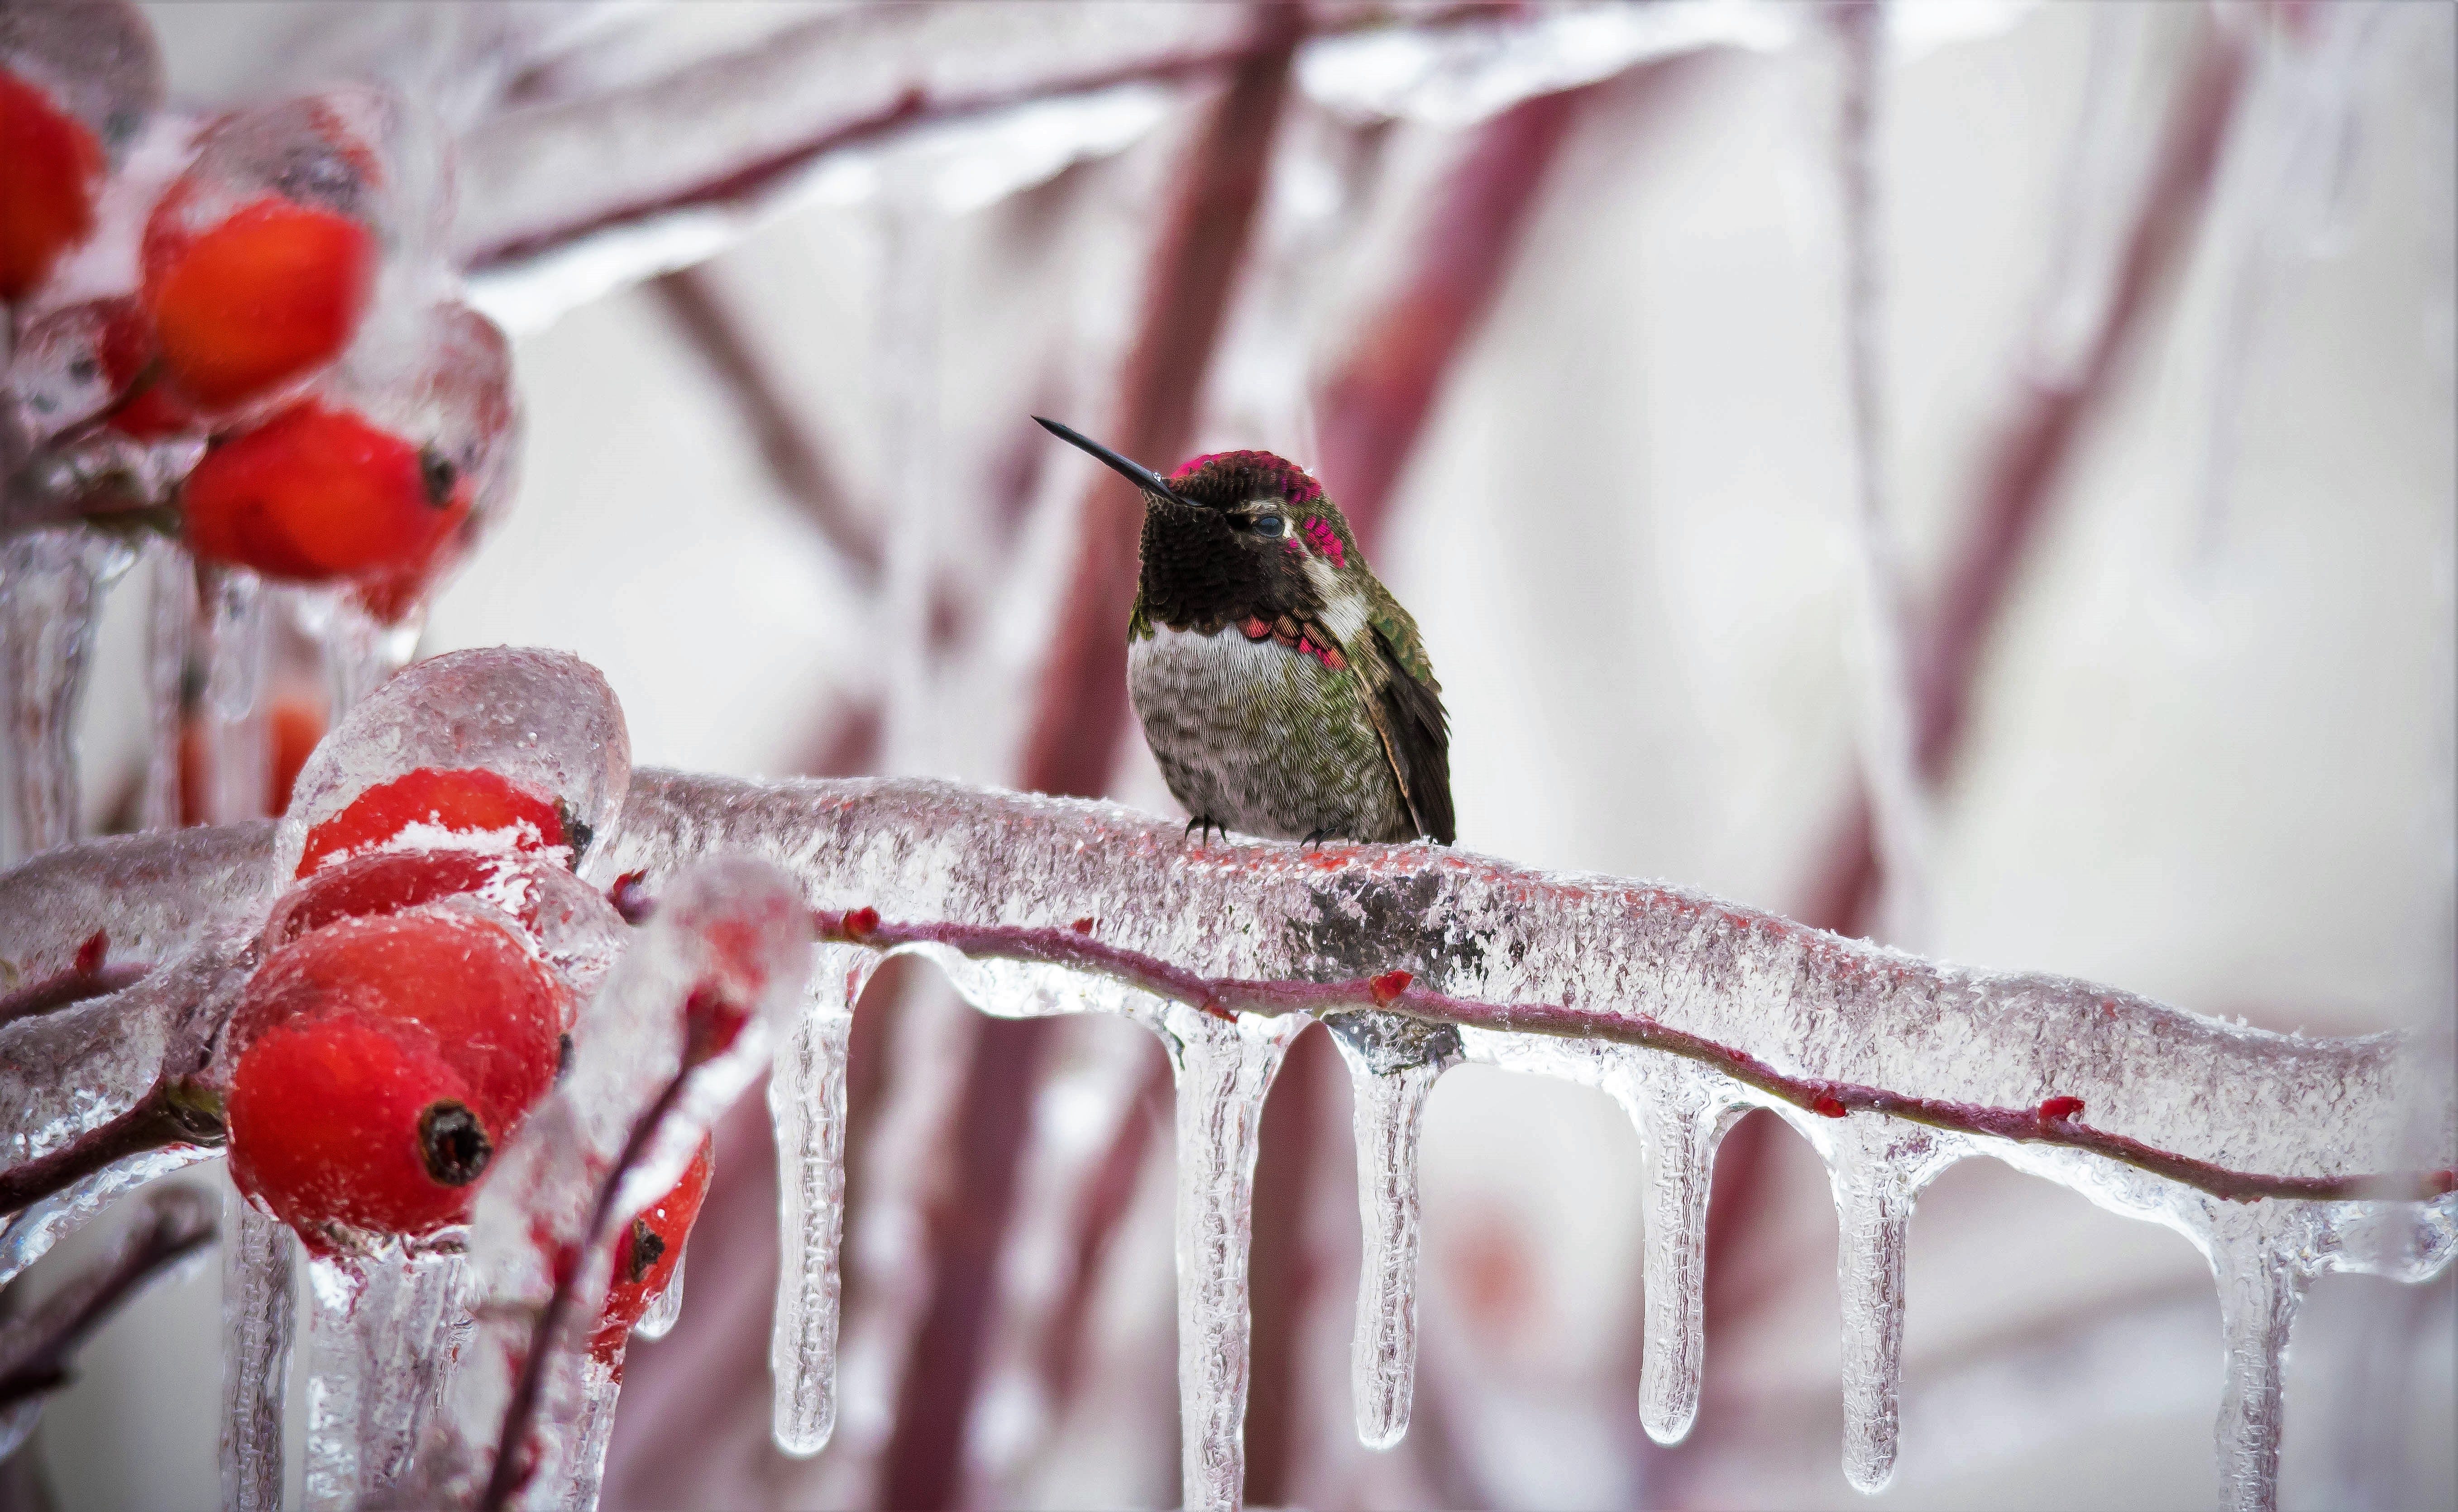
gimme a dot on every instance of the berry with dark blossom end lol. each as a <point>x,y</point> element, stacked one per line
<point>266,295</point>
<point>463,984</point>
<point>319,494</point>
<point>344,1118</point>
<point>47,189</point>
<point>467,808</point>
<point>646,1253</point>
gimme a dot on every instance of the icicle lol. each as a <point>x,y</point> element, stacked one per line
<point>1877,1165</point>
<point>1393,1063</point>
<point>50,596</point>
<point>806,1099</point>
<point>173,621</point>
<point>360,651</point>
<point>2262,1276</point>
<point>1681,1110</point>
<point>382,1340</point>
<point>1223,1072</point>
<point>665,1308</point>
<point>259,1254</point>
<point>584,1471</point>
<point>237,775</point>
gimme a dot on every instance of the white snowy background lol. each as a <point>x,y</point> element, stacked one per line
<point>2210,757</point>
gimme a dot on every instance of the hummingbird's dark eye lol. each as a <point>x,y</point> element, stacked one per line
<point>1269,524</point>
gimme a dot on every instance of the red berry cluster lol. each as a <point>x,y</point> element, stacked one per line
<point>402,1024</point>
<point>258,272</point>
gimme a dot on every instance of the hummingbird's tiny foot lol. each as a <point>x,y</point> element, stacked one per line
<point>1315,840</point>
<point>1202,827</point>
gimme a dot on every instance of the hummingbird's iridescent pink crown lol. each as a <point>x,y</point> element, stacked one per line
<point>1295,485</point>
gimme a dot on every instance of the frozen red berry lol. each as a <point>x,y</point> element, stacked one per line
<point>1826,1105</point>
<point>465,807</point>
<point>317,493</point>
<point>54,171</point>
<point>1387,987</point>
<point>266,295</point>
<point>646,1253</point>
<point>492,1009</point>
<point>2059,1110</point>
<point>339,1119</point>
<point>375,884</point>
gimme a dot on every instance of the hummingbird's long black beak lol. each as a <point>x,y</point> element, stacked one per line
<point>1135,472</point>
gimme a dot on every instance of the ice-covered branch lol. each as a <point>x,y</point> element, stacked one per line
<point>1806,1016</point>
<point>2056,1120</point>
<point>1686,1007</point>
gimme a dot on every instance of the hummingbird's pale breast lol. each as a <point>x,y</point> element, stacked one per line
<point>1263,737</point>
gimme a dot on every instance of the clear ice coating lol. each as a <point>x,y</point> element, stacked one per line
<point>806,1101</point>
<point>1878,1166</point>
<point>1550,967</point>
<point>1684,1009</point>
<point>688,1016</point>
<point>260,1258</point>
<point>544,718</point>
<point>52,583</point>
<point>383,1332</point>
<point>665,1308</point>
<point>1682,1111</point>
<point>1223,1072</point>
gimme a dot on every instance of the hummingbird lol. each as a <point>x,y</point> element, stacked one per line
<point>1282,689</point>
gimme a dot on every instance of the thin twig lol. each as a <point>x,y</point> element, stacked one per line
<point>35,1350</point>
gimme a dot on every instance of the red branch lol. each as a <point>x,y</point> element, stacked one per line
<point>1374,405</point>
<point>2031,1125</point>
<point>63,989</point>
<point>799,468</point>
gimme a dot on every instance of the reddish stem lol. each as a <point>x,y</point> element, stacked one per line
<point>1064,947</point>
<point>179,1224</point>
<point>797,466</point>
<point>162,1119</point>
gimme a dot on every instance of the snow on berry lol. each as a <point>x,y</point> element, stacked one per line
<point>465,808</point>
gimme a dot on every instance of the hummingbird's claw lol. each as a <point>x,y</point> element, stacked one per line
<point>1316,838</point>
<point>1202,825</point>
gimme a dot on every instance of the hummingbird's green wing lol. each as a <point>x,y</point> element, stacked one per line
<point>1407,712</point>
